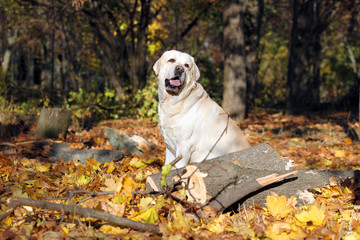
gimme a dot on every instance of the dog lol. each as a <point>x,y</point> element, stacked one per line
<point>191,123</point>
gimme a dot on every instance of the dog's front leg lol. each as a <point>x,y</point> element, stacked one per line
<point>185,157</point>
<point>169,157</point>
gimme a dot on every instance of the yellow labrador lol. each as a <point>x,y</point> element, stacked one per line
<point>191,123</point>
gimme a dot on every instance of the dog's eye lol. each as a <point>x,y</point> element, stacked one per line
<point>187,65</point>
<point>171,60</point>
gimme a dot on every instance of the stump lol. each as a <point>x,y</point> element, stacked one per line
<point>52,122</point>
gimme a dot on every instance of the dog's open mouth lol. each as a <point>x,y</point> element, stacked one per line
<point>173,82</point>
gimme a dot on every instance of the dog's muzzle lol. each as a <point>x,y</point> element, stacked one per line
<point>174,83</point>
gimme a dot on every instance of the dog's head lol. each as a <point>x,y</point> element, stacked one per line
<point>175,70</point>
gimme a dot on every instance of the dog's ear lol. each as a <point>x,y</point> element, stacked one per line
<point>156,66</point>
<point>196,71</point>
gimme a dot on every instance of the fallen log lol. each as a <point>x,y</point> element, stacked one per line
<point>225,181</point>
<point>64,152</point>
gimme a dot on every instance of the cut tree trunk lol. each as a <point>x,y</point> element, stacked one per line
<point>53,122</point>
<point>247,176</point>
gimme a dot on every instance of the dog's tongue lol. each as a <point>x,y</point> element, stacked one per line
<point>175,82</point>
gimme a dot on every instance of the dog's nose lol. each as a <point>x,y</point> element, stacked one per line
<point>179,69</point>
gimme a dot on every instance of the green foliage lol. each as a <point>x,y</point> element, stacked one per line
<point>94,105</point>
<point>11,112</point>
<point>146,101</point>
<point>271,79</point>
<point>336,71</point>
<point>142,104</point>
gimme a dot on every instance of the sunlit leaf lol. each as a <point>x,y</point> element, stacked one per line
<point>340,153</point>
<point>179,221</point>
<point>148,216</point>
<point>111,167</point>
<point>42,168</point>
<point>82,180</point>
<point>112,184</point>
<point>113,230</point>
<point>93,163</point>
<point>285,231</point>
<point>278,206</point>
<point>312,218</point>
<point>8,220</point>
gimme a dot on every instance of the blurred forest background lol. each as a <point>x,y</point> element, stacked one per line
<point>96,56</point>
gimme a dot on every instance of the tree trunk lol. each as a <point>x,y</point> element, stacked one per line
<point>140,53</point>
<point>53,122</point>
<point>290,101</point>
<point>252,28</point>
<point>234,96</point>
<point>10,39</point>
<point>310,20</point>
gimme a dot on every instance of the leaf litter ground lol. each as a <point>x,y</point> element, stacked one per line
<point>313,143</point>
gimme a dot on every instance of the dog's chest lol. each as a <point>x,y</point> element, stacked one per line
<point>176,128</point>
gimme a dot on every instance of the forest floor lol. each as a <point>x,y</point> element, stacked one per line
<point>328,142</point>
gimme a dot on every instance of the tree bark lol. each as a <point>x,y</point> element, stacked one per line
<point>234,96</point>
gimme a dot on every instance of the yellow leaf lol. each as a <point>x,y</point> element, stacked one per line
<point>215,227</point>
<point>314,217</point>
<point>146,203</point>
<point>111,167</point>
<point>179,220</point>
<point>93,163</point>
<point>278,207</point>
<point>284,231</point>
<point>65,230</point>
<point>112,184</point>
<point>42,168</point>
<point>129,185</point>
<point>26,162</point>
<point>351,236</point>
<point>82,180</point>
<point>143,163</point>
<point>160,202</point>
<point>8,221</point>
<point>113,230</point>
<point>348,140</point>
<point>328,162</point>
<point>340,153</point>
<point>149,216</point>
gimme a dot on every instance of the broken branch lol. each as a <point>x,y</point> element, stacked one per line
<point>15,202</point>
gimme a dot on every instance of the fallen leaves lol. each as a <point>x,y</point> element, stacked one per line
<point>25,172</point>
